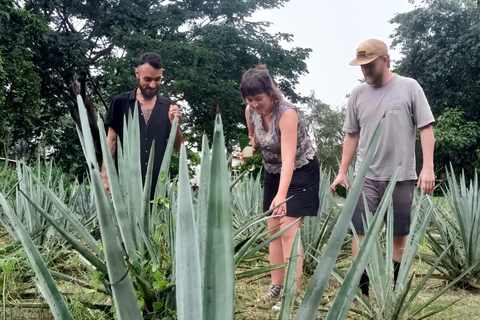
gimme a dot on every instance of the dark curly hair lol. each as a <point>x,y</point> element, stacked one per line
<point>152,59</point>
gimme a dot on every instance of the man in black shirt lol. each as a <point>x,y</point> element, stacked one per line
<point>155,116</point>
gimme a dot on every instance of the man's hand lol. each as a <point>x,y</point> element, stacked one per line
<point>426,180</point>
<point>171,112</point>
<point>341,178</point>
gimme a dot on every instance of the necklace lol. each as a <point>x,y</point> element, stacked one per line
<point>267,114</point>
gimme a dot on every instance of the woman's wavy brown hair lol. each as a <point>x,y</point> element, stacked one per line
<point>257,81</point>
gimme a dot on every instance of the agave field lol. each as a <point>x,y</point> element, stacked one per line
<point>69,251</point>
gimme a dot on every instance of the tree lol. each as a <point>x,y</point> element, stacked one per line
<point>456,139</point>
<point>206,46</point>
<point>440,43</point>
<point>324,126</point>
<point>21,107</point>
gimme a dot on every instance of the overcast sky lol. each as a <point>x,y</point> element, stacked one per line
<point>333,30</point>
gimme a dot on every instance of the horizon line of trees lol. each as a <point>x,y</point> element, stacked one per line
<point>50,49</point>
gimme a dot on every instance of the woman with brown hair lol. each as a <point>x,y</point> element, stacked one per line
<point>291,167</point>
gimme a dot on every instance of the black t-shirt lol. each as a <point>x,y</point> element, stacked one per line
<point>157,129</point>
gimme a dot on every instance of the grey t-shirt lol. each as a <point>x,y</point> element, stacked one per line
<point>406,108</point>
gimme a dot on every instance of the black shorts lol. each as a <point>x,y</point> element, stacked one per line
<point>304,188</point>
<point>402,204</point>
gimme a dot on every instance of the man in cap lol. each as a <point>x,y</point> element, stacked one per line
<point>405,107</point>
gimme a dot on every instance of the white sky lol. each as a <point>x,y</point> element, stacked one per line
<point>333,30</point>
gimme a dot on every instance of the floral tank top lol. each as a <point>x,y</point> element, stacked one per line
<point>270,141</point>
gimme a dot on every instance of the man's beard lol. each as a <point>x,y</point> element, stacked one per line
<point>150,94</point>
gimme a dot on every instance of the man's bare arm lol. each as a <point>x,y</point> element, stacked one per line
<point>426,179</point>
<point>112,145</point>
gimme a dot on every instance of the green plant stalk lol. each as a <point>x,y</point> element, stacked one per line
<point>82,283</point>
<point>218,284</point>
<point>44,282</point>
<point>126,304</point>
<point>244,248</point>
<point>414,238</point>
<point>132,162</point>
<point>275,236</point>
<point>313,297</point>
<point>69,216</point>
<point>187,262</point>
<point>125,222</point>
<point>256,219</point>
<point>71,239</point>
<point>202,204</point>
<point>255,272</point>
<point>438,294</point>
<point>343,299</point>
<point>290,280</point>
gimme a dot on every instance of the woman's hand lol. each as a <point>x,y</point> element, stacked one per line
<point>252,143</point>
<point>282,209</point>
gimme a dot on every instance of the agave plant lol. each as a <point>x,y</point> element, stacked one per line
<point>316,230</point>
<point>313,296</point>
<point>391,302</point>
<point>458,230</point>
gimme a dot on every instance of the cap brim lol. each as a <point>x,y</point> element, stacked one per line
<point>360,62</point>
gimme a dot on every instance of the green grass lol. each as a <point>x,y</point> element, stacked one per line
<point>246,293</point>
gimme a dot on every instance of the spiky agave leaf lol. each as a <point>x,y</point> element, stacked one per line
<point>187,260</point>
<point>44,280</point>
<point>343,300</point>
<point>126,304</point>
<point>311,301</point>
<point>218,284</point>
<point>290,279</point>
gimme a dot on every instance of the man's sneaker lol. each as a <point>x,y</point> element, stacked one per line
<point>273,292</point>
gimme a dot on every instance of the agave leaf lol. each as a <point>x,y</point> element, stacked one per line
<point>202,203</point>
<point>362,301</point>
<point>69,216</point>
<point>167,156</point>
<point>256,219</point>
<point>218,284</point>
<point>414,238</point>
<point>44,280</point>
<point>71,239</point>
<point>448,286</point>
<point>434,312</point>
<point>70,279</point>
<point>426,277</point>
<point>238,179</point>
<point>243,249</point>
<point>290,280</point>
<point>313,297</point>
<point>145,204</point>
<point>187,262</point>
<point>132,162</point>
<point>257,271</point>
<point>277,235</point>
<point>125,222</point>
<point>126,304</point>
<point>343,300</point>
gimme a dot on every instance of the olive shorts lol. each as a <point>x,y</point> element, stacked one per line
<point>402,204</point>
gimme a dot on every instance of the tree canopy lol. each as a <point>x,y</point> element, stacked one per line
<point>94,46</point>
<point>440,43</point>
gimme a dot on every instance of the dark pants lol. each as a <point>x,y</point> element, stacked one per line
<point>402,204</point>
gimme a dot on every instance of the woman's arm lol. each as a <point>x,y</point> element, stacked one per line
<point>288,129</point>
<point>251,131</point>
